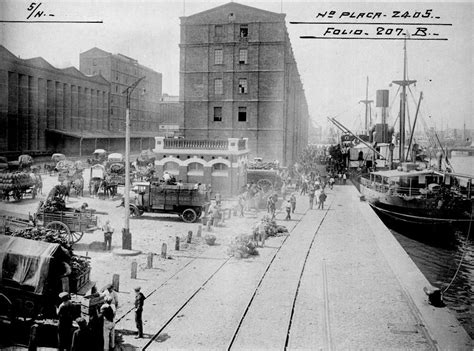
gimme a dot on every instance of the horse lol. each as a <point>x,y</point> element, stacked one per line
<point>37,182</point>
<point>110,188</point>
<point>76,184</point>
<point>94,186</point>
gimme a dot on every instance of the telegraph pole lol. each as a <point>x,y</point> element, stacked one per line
<point>126,235</point>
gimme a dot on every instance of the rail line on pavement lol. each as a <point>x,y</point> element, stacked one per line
<point>194,294</point>
<point>250,302</point>
<point>287,341</point>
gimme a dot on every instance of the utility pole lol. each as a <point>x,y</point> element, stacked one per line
<point>126,235</point>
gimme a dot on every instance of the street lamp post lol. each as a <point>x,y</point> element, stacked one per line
<point>126,235</point>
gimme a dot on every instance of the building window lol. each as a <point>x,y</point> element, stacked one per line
<point>243,89</point>
<point>218,87</point>
<point>244,31</point>
<point>220,170</point>
<point>94,62</point>
<point>217,114</point>
<point>242,114</point>
<point>218,57</point>
<point>243,53</point>
<point>195,169</point>
<point>116,88</point>
<point>218,30</point>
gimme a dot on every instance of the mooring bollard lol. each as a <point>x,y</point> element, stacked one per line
<point>149,260</point>
<point>199,231</point>
<point>134,269</point>
<point>164,248</point>
<point>116,282</point>
<point>190,236</point>
<point>176,245</point>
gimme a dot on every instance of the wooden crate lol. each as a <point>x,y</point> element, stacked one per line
<point>76,283</point>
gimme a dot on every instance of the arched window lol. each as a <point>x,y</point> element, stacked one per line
<point>220,170</point>
<point>171,167</point>
<point>195,169</point>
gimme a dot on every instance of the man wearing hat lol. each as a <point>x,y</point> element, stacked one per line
<point>108,231</point>
<point>65,317</point>
<point>110,292</point>
<point>139,301</point>
<point>107,311</point>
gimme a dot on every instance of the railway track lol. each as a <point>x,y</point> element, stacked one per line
<point>239,324</point>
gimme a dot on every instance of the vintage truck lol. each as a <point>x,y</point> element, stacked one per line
<point>184,200</point>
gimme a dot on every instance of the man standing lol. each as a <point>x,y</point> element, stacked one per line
<point>107,311</point>
<point>293,202</point>
<point>108,231</point>
<point>322,198</point>
<point>65,317</point>
<point>110,292</point>
<point>288,210</point>
<point>139,301</point>
<point>311,197</point>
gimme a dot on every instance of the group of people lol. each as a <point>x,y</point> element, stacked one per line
<point>99,333</point>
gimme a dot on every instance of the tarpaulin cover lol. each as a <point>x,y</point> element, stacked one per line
<point>25,261</point>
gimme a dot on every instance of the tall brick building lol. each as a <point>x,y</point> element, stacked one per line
<point>40,104</point>
<point>238,78</point>
<point>122,71</point>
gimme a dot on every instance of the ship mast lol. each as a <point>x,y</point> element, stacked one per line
<point>367,103</point>
<point>403,100</point>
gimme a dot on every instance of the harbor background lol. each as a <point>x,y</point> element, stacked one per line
<point>439,261</point>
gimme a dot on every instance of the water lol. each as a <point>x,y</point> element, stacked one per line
<point>439,261</point>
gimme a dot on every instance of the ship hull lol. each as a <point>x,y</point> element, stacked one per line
<point>419,214</point>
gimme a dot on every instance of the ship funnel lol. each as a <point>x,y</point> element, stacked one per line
<point>381,127</point>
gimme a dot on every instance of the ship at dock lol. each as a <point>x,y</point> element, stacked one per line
<point>407,189</point>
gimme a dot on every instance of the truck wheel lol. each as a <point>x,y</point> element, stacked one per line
<point>189,215</point>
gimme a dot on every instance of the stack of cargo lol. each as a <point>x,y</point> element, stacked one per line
<point>17,182</point>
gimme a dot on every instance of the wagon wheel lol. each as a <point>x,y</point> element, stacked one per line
<point>62,228</point>
<point>189,215</point>
<point>265,184</point>
<point>74,237</point>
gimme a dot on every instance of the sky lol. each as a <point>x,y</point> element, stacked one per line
<point>334,72</point>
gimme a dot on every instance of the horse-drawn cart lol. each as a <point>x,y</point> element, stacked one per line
<point>71,224</point>
<point>16,185</point>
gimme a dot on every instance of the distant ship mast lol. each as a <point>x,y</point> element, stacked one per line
<point>367,103</point>
<point>403,101</point>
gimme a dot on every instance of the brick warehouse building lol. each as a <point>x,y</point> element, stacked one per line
<point>122,71</point>
<point>37,99</point>
<point>44,109</point>
<point>238,78</point>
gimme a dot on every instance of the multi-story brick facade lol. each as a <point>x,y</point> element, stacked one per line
<point>238,78</point>
<point>38,102</point>
<point>122,71</point>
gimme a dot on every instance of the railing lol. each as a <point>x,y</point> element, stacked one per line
<point>196,144</point>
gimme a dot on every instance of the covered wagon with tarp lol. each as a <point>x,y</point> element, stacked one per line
<point>25,162</point>
<point>115,170</point>
<point>99,156</point>
<point>30,276</point>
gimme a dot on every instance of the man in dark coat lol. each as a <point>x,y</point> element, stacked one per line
<point>65,317</point>
<point>139,301</point>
